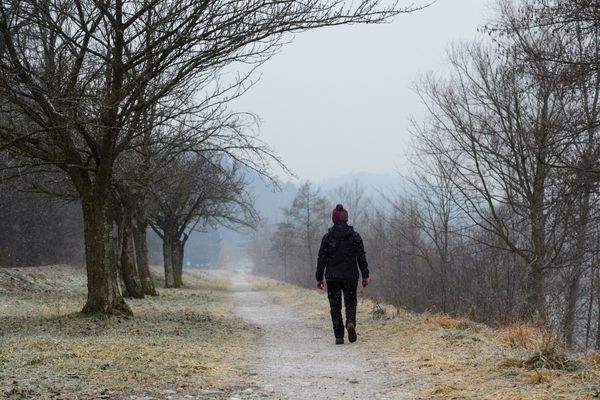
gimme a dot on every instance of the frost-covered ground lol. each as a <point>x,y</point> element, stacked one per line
<point>183,344</point>
<point>190,344</point>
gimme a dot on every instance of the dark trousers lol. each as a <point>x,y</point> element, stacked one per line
<point>335,289</point>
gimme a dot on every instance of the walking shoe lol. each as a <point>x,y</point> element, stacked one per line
<point>339,340</point>
<point>351,332</point>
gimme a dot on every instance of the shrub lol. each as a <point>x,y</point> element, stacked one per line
<point>378,311</point>
<point>551,358</point>
<point>523,336</point>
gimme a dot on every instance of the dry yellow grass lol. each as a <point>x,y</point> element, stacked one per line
<point>443,321</point>
<point>525,337</point>
<point>183,340</point>
<point>439,357</point>
<point>447,322</point>
<point>593,359</point>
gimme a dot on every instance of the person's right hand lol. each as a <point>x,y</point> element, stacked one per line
<point>320,285</point>
<point>365,282</point>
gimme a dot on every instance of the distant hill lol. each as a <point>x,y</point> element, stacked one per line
<point>270,201</point>
<point>372,182</point>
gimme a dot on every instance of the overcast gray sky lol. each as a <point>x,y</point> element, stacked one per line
<point>338,100</point>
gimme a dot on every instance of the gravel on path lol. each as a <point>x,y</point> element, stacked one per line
<point>296,356</point>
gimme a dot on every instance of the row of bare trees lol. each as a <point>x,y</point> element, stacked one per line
<point>502,220</point>
<point>512,142</point>
<point>111,95</point>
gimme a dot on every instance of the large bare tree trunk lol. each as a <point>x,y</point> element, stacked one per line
<point>177,254</point>
<point>572,296</point>
<point>104,295</point>
<point>178,257</point>
<point>540,295</point>
<point>590,308</point>
<point>597,346</point>
<point>141,253</point>
<point>537,265</point>
<point>168,259</point>
<point>538,247</point>
<point>131,276</point>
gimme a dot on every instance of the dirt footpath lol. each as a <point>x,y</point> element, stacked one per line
<point>297,358</point>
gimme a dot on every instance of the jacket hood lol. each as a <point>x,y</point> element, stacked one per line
<point>340,230</point>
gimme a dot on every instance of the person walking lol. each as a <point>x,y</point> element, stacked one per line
<point>341,256</point>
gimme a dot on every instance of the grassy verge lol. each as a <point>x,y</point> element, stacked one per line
<point>179,343</point>
<point>438,357</point>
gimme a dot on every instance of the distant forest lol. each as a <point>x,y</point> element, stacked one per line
<point>38,230</point>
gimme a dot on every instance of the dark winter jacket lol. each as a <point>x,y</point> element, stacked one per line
<point>341,251</point>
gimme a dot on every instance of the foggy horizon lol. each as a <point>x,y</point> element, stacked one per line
<point>338,101</point>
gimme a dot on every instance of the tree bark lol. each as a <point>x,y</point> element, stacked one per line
<point>590,309</point>
<point>177,254</point>
<point>538,246</point>
<point>573,289</point>
<point>104,295</point>
<point>117,246</point>
<point>131,276</point>
<point>141,253</point>
<point>168,259</point>
<point>597,346</point>
<point>572,298</point>
<point>540,295</point>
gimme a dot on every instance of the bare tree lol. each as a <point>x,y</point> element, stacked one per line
<point>283,246</point>
<point>572,41</point>
<point>127,261</point>
<point>196,190</point>
<point>568,22</point>
<point>309,215</point>
<point>498,123</point>
<point>76,79</point>
<point>437,218</point>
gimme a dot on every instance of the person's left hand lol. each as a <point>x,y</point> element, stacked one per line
<point>365,282</point>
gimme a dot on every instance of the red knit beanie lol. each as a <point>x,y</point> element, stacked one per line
<point>339,214</point>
